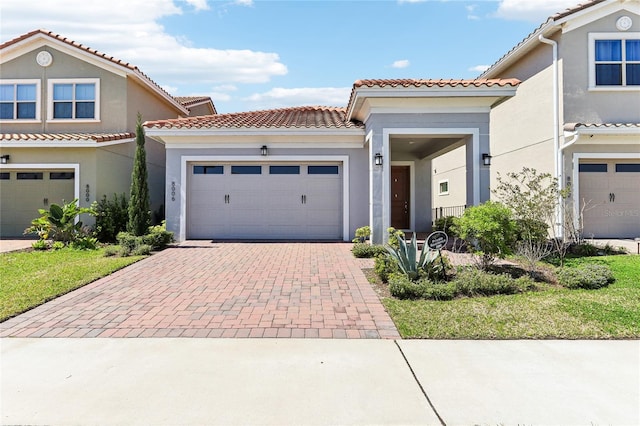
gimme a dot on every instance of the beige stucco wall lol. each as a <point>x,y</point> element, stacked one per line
<point>452,167</point>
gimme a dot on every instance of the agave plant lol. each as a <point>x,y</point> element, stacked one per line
<point>406,255</point>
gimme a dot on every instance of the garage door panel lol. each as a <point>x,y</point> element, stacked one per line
<point>270,206</point>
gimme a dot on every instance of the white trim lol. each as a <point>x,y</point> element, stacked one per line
<point>369,140</point>
<point>577,156</point>
<point>74,81</point>
<point>51,166</point>
<point>592,64</point>
<point>440,182</point>
<point>185,159</point>
<point>605,130</point>
<point>297,144</point>
<point>412,189</point>
<point>177,132</point>
<point>16,81</point>
<point>387,132</point>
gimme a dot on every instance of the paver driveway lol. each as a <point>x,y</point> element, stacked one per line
<point>206,289</point>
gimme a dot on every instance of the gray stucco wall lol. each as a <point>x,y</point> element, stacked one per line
<point>582,105</point>
<point>358,179</point>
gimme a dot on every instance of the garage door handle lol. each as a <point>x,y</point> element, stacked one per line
<point>303,199</point>
<point>612,197</point>
<point>226,199</point>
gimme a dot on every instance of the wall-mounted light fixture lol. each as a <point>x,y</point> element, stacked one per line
<point>263,150</point>
<point>4,159</point>
<point>377,159</point>
<point>486,159</point>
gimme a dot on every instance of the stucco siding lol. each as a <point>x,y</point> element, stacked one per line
<point>582,105</point>
<point>450,167</point>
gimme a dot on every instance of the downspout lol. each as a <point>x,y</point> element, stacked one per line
<point>556,127</point>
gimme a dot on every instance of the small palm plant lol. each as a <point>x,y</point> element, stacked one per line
<point>406,255</point>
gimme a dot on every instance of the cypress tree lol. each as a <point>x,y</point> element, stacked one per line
<point>139,214</point>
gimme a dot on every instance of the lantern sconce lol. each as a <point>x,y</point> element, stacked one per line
<point>486,160</point>
<point>377,159</point>
<point>4,159</point>
<point>263,150</point>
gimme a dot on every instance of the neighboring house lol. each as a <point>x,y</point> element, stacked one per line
<point>67,123</point>
<point>588,134</point>
<point>404,147</point>
<point>197,105</point>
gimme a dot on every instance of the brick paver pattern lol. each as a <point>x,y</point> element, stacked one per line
<point>208,289</point>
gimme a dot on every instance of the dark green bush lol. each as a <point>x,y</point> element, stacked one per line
<point>446,224</point>
<point>589,276</point>
<point>474,282</point>
<point>158,237</point>
<point>384,266</point>
<point>141,250</point>
<point>584,249</point>
<point>402,287</point>
<point>364,250</point>
<point>111,217</point>
<point>531,230</point>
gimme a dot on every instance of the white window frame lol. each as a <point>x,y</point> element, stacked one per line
<point>592,60</point>
<point>52,81</point>
<point>38,100</point>
<point>440,191</point>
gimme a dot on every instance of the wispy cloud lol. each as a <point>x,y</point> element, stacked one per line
<point>471,12</point>
<point>403,63</point>
<point>243,2</point>
<point>280,97</point>
<point>528,10</point>
<point>479,68</point>
<point>131,30</point>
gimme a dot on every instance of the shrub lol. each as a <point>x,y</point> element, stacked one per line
<point>446,224</point>
<point>474,282</point>
<point>59,223</point>
<point>394,236</point>
<point>489,230</point>
<point>362,234</point>
<point>57,245</point>
<point>364,250</point>
<point>141,250</point>
<point>111,251</point>
<point>589,276</point>
<point>158,237</point>
<point>40,245</point>
<point>402,287</point>
<point>85,243</point>
<point>584,249</point>
<point>384,266</point>
<point>111,217</point>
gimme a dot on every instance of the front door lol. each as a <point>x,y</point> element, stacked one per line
<point>400,180</point>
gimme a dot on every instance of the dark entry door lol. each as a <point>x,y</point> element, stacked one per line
<point>400,197</point>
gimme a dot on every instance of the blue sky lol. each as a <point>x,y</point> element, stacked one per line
<point>259,54</point>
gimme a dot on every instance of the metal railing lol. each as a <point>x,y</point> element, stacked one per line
<point>439,212</point>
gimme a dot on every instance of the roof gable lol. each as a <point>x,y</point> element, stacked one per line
<point>25,43</point>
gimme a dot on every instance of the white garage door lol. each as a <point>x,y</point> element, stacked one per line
<point>610,192</point>
<point>265,201</point>
<point>23,192</point>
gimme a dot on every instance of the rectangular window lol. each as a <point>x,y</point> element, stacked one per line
<point>322,170</point>
<point>614,59</point>
<point>593,168</point>
<point>208,170</point>
<point>443,187</point>
<point>19,99</point>
<point>628,168</point>
<point>4,176</point>
<point>246,170</point>
<point>74,99</point>
<point>284,170</point>
<point>29,176</point>
<point>61,175</point>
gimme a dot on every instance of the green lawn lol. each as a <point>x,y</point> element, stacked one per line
<point>31,278</point>
<point>611,312</point>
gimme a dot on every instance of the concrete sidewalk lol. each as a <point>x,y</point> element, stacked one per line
<point>319,382</point>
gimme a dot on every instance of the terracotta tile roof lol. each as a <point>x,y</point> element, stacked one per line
<point>62,137</point>
<point>308,117</point>
<point>573,126</point>
<point>534,34</point>
<point>191,100</point>
<point>94,52</point>
<point>436,83</point>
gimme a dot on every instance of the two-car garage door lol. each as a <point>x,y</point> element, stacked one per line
<point>610,198</point>
<point>264,201</point>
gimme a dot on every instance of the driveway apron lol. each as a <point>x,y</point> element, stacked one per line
<point>210,289</point>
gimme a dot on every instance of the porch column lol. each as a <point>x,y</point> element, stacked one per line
<point>379,208</point>
<point>478,175</point>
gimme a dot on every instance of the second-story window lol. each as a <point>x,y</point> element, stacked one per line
<point>74,99</point>
<point>19,100</point>
<point>615,60</point>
